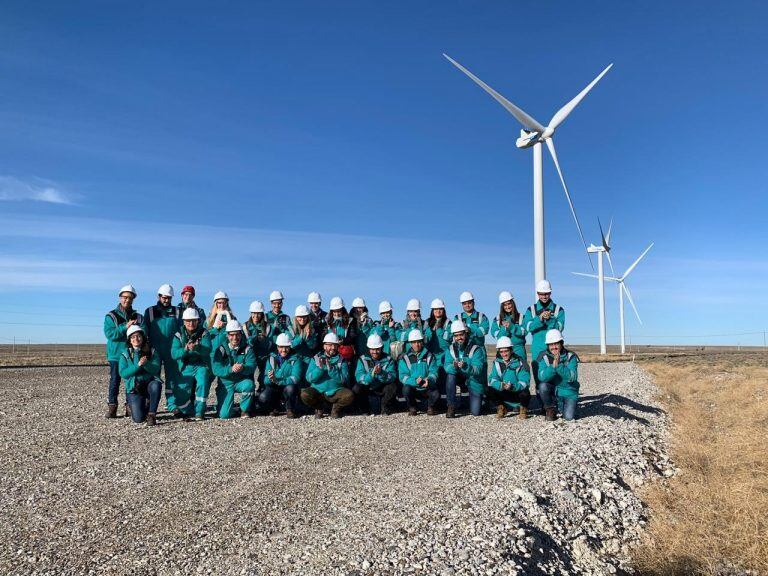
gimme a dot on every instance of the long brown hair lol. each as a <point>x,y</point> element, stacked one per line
<point>145,349</point>
<point>215,311</point>
<point>515,314</point>
<point>306,330</point>
<point>433,322</point>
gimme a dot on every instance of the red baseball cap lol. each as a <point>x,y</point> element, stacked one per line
<point>188,289</point>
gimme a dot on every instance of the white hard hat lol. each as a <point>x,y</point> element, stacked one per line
<point>314,298</point>
<point>330,338</point>
<point>503,342</point>
<point>466,297</point>
<point>336,303</point>
<point>458,326</point>
<point>127,288</point>
<point>358,303</point>
<point>301,310</point>
<point>283,340</point>
<point>505,296</point>
<point>275,295</point>
<point>553,336</point>
<point>415,336</point>
<point>437,303</point>
<point>543,286</point>
<point>256,306</point>
<point>165,290</point>
<point>385,306</point>
<point>374,341</point>
<point>190,314</point>
<point>133,329</point>
<point>234,326</point>
<point>413,305</point>
<point>220,295</point>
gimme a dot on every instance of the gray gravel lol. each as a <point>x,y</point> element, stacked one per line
<point>362,495</point>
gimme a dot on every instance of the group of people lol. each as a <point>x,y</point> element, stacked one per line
<point>336,359</point>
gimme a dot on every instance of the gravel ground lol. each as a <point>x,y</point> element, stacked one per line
<point>80,494</point>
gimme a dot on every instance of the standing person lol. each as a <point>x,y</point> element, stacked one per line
<point>388,330</point>
<point>316,312</point>
<point>259,334</point>
<point>363,325</point>
<point>437,333</point>
<point>339,322</point>
<point>465,366</point>
<point>509,380</point>
<point>192,351</point>
<point>544,315</point>
<point>220,314</point>
<point>328,374</point>
<point>284,372</point>
<point>162,321</point>
<point>140,367</point>
<point>305,340</point>
<point>509,323</point>
<point>412,321</point>
<point>279,320</point>
<point>234,363</point>
<point>417,370</point>
<point>476,322</point>
<point>376,378</point>
<point>558,377</point>
<point>116,325</point>
<point>188,301</point>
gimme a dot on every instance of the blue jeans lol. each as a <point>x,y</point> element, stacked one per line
<point>271,396</point>
<point>546,392</point>
<point>567,407</point>
<point>114,383</point>
<point>475,398</point>
<point>411,393</point>
<point>144,399</point>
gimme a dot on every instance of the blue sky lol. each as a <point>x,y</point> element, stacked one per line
<point>329,146</point>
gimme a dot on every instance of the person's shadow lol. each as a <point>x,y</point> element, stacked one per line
<point>614,406</point>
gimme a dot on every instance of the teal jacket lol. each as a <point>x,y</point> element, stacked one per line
<point>438,340</point>
<point>515,372</point>
<point>199,356</point>
<point>288,371</point>
<point>115,326</point>
<point>162,322</point>
<point>219,335</point>
<point>475,362</point>
<point>565,377</point>
<point>305,347</point>
<point>330,378</point>
<point>387,333</point>
<point>364,330</point>
<point>412,366</point>
<point>280,323</point>
<point>516,332</point>
<point>345,332</point>
<point>225,357</point>
<point>260,340</point>
<point>534,326</point>
<point>477,324</point>
<point>135,375</point>
<point>364,371</point>
<point>406,328</point>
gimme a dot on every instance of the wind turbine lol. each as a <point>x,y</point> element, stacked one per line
<point>604,248</point>
<point>623,289</point>
<point>533,135</point>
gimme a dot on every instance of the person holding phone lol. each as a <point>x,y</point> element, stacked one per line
<point>328,375</point>
<point>279,320</point>
<point>234,364</point>
<point>284,373</point>
<point>510,323</point>
<point>218,317</point>
<point>558,377</point>
<point>363,325</point>
<point>388,329</point>
<point>163,321</point>
<point>476,322</point>
<point>140,368</point>
<point>417,371</point>
<point>412,321</point>
<point>465,366</point>
<point>543,316</point>
<point>375,379</point>
<point>509,380</point>
<point>259,334</point>
<point>192,350</point>
<point>316,312</point>
<point>340,323</point>
<point>305,340</point>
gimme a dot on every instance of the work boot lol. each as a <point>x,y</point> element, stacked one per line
<point>550,414</point>
<point>450,412</point>
<point>245,414</point>
<point>336,411</point>
<point>431,411</point>
<point>412,412</point>
<point>127,410</point>
<point>290,414</point>
<point>199,417</point>
<point>177,413</point>
<point>523,414</point>
<point>501,411</point>
<point>111,411</point>
<point>318,413</point>
<point>275,412</point>
<point>151,419</point>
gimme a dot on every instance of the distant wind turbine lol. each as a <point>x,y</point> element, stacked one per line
<point>604,248</point>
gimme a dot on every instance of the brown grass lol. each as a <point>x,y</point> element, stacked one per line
<point>714,514</point>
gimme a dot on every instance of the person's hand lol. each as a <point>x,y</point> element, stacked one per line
<point>130,323</point>
<point>506,324</point>
<point>237,367</point>
<point>507,385</point>
<point>460,364</point>
<point>218,324</point>
<point>271,374</point>
<point>556,361</point>
<point>546,315</point>
<point>377,369</point>
<point>191,345</point>
<point>391,323</point>
<point>142,360</point>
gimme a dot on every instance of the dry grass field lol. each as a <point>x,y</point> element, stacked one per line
<point>712,518</point>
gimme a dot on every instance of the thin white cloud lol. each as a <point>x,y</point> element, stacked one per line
<point>13,189</point>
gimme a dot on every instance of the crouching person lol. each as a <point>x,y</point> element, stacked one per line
<point>417,369</point>
<point>140,367</point>
<point>191,348</point>
<point>376,378</point>
<point>465,366</point>
<point>234,363</point>
<point>509,380</point>
<point>327,374</point>
<point>558,377</point>
<point>284,372</point>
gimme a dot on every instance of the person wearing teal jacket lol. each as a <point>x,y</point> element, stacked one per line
<point>437,331</point>
<point>116,324</point>
<point>188,301</point>
<point>388,329</point>
<point>375,379</point>
<point>284,373</point>
<point>363,325</point>
<point>305,339</point>
<point>192,351</point>
<point>417,370</point>
<point>163,320</point>
<point>140,367</point>
<point>476,322</point>
<point>465,366</point>
<point>509,380</point>
<point>279,320</point>
<point>509,323</point>
<point>220,314</point>
<point>328,374</point>
<point>412,321</point>
<point>544,315</point>
<point>234,364</point>
<point>558,377</point>
<point>259,334</point>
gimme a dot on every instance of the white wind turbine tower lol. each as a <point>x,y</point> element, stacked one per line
<point>532,135</point>
<point>604,248</point>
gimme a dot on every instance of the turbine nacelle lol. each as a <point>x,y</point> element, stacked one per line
<point>527,139</point>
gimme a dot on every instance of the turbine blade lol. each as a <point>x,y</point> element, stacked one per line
<point>610,262</point>
<point>636,261</point>
<point>586,275</point>
<point>551,146</point>
<point>528,121</point>
<point>629,297</point>
<point>608,236</point>
<point>562,114</point>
